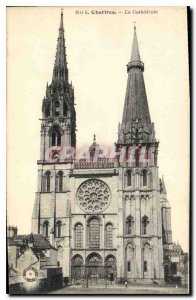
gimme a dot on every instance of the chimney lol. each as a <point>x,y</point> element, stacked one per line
<point>11,231</point>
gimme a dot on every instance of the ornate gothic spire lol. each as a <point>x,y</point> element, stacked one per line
<point>58,109</point>
<point>60,72</point>
<point>136,123</point>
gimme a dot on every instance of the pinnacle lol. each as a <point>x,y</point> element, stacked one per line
<point>163,188</point>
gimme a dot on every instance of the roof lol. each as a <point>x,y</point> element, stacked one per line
<point>51,267</point>
<point>11,242</point>
<point>39,241</point>
<point>39,253</point>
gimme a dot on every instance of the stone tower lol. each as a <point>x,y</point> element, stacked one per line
<point>51,212</point>
<point>58,112</point>
<point>141,210</point>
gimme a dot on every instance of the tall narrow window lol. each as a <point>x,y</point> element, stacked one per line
<point>79,236</point>
<point>137,155</point>
<point>129,178</point>
<point>145,222</point>
<point>59,181</point>
<point>58,139</point>
<point>56,136</point>
<point>58,229</point>
<point>57,108</point>
<point>130,258</point>
<point>94,233</point>
<point>46,229</point>
<point>46,182</point>
<point>145,266</point>
<point>109,236</point>
<point>64,109</point>
<point>144,177</point>
<point>129,225</point>
<point>147,256</point>
<point>129,266</point>
<point>47,110</point>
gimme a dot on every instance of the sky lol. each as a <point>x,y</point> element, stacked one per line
<point>98,49</point>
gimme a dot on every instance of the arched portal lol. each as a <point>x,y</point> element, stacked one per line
<point>94,266</point>
<point>77,267</point>
<point>110,266</point>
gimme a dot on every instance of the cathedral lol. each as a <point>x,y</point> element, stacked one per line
<point>108,217</point>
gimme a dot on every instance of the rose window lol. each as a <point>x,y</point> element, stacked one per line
<point>93,196</point>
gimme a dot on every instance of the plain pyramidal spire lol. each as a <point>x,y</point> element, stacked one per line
<point>136,124</point>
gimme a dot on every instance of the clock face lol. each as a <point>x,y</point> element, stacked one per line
<point>30,274</point>
<point>93,196</point>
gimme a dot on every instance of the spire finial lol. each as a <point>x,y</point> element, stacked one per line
<point>61,23</point>
<point>94,138</point>
<point>134,26</point>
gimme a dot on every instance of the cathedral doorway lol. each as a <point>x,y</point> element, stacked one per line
<point>77,267</point>
<point>110,267</point>
<point>94,271</point>
<point>94,267</point>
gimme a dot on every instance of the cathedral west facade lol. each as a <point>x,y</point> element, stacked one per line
<point>106,216</point>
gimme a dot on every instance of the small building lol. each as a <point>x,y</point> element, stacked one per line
<point>176,264</point>
<point>32,264</point>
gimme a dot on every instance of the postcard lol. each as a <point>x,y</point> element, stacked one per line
<point>98,129</point>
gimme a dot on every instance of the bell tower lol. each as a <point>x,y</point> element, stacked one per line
<point>58,125</point>
<point>141,210</point>
<point>51,213</point>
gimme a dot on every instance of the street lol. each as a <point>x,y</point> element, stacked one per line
<point>119,289</point>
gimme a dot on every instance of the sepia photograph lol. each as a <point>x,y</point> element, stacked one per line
<point>98,150</point>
